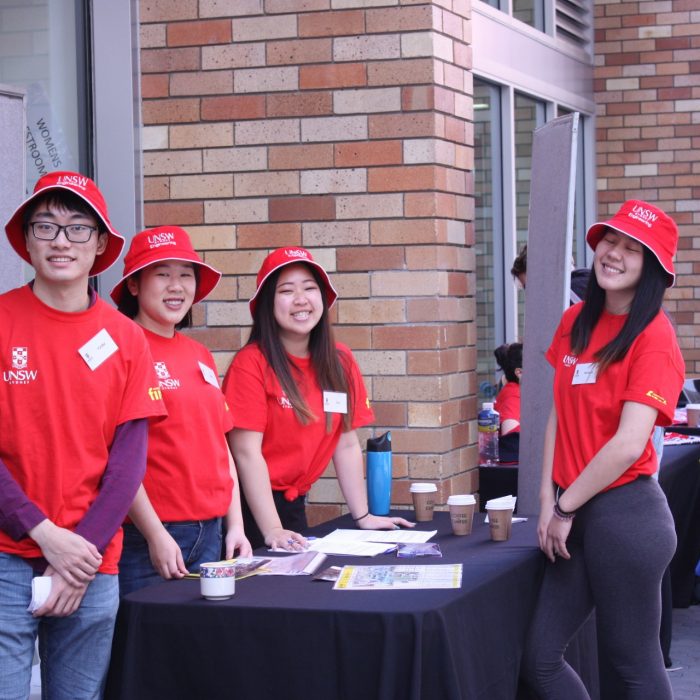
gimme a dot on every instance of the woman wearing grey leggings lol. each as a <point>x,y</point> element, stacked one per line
<point>604,523</point>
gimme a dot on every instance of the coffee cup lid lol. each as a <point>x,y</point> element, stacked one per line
<point>463,499</point>
<point>694,406</point>
<point>423,488</point>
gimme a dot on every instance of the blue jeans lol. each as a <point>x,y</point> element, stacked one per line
<point>199,542</point>
<point>74,650</point>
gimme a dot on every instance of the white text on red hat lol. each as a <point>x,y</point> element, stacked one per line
<point>156,240</point>
<point>295,253</point>
<point>643,215</point>
<point>73,181</point>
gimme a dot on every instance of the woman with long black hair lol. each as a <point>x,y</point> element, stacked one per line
<point>604,523</point>
<point>296,397</point>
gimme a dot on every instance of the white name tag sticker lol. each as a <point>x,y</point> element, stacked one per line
<point>98,349</point>
<point>335,402</point>
<point>209,375</point>
<point>586,373</point>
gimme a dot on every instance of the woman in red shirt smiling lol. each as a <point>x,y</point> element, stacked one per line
<point>297,397</point>
<point>189,487</point>
<point>604,523</point>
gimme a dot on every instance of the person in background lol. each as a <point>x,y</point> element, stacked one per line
<point>297,398</point>
<point>190,484</point>
<point>519,268</point>
<point>509,357</point>
<point>604,523</point>
<point>577,285</point>
<point>76,394</point>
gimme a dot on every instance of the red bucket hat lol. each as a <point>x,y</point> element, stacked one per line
<point>88,191</point>
<point>288,256</point>
<point>647,224</point>
<point>165,243</point>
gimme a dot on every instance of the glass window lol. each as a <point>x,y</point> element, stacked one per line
<point>529,114</point>
<point>578,248</point>
<point>502,175</point>
<point>44,52</point>
<point>488,178</point>
<point>531,12</point>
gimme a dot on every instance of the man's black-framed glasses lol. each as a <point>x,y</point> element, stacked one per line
<point>75,233</point>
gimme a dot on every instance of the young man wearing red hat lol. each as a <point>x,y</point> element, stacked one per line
<point>77,389</point>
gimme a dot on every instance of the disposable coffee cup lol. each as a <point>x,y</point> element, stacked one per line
<point>217,580</point>
<point>693,411</point>
<point>423,501</point>
<point>500,522</point>
<point>462,508</point>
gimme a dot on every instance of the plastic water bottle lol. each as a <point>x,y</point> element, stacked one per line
<point>379,474</point>
<point>489,424</point>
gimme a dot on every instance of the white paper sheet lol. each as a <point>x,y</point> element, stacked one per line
<point>368,578</point>
<point>395,536</point>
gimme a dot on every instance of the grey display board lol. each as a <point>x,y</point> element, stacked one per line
<point>550,230</point>
<point>12,178</point>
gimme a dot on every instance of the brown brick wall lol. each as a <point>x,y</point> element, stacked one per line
<point>347,131</point>
<point>647,83</point>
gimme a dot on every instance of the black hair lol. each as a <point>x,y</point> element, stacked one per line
<point>62,199</point>
<point>129,303</point>
<point>520,263</point>
<point>509,357</point>
<point>331,366</point>
<point>646,304</point>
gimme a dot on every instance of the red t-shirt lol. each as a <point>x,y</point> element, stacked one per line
<point>508,404</point>
<point>296,454</point>
<point>57,415</point>
<point>588,415</point>
<point>188,476</point>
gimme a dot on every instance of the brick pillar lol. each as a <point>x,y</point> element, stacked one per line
<point>648,95</point>
<point>348,131</point>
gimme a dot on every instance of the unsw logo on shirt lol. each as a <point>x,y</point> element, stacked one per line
<point>20,372</point>
<point>164,379</point>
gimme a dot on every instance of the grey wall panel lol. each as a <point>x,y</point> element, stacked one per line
<point>12,178</point>
<point>548,273</point>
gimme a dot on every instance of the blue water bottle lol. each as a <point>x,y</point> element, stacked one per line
<point>379,474</point>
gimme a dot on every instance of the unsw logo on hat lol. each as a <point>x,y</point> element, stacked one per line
<point>165,243</point>
<point>88,191</point>
<point>288,256</point>
<point>647,224</point>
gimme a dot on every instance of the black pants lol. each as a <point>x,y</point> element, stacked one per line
<point>292,514</point>
<point>620,544</point>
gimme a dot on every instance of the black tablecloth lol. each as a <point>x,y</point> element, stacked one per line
<point>291,637</point>
<point>679,477</point>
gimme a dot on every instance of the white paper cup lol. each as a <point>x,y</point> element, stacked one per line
<point>500,522</point>
<point>693,411</point>
<point>462,508</point>
<point>217,580</point>
<point>423,500</point>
